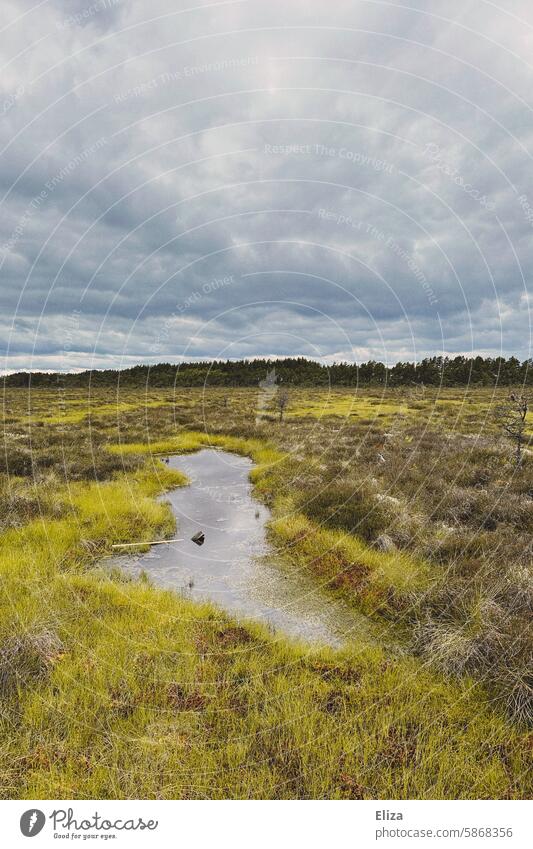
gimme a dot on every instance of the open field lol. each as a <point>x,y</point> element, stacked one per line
<point>407,503</point>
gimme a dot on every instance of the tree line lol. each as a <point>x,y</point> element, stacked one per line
<point>296,371</point>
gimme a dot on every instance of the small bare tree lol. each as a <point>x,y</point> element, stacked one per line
<point>511,416</point>
<point>283,400</point>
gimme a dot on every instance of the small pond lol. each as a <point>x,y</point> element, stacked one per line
<point>235,567</point>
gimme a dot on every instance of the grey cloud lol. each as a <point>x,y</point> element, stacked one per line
<point>364,178</point>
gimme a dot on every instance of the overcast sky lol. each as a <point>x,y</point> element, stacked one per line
<point>343,180</point>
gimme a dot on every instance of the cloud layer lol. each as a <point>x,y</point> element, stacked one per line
<point>243,179</point>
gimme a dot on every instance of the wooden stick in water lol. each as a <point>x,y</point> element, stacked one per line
<point>150,542</point>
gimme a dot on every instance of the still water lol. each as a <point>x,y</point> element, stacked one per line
<point>236,567</point>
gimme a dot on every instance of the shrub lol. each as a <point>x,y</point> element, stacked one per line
<point>351,507</point>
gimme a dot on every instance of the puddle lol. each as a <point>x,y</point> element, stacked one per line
<point>235,567</point>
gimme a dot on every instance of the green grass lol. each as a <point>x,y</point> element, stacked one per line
<point>365,573</point>
<point>440,408</point>
<point>110,688</point>
<point>120,690</point>
<point>67,417</point>
<point>262,453</point>
<point>344,406</point>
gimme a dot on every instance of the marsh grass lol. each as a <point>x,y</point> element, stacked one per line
<point>110,688</point>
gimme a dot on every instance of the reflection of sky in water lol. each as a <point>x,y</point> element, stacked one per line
<point>235,567</point>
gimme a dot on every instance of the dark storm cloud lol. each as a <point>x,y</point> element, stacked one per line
<point>361,182</point>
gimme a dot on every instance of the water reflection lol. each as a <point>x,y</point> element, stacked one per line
<point>235,566</point>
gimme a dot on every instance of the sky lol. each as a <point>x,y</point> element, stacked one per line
<point>343,181</point>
